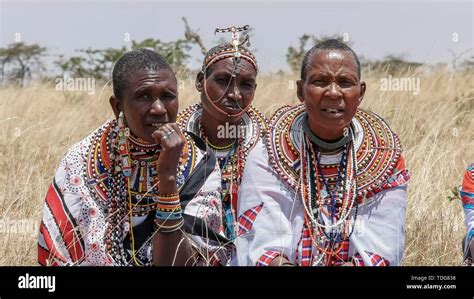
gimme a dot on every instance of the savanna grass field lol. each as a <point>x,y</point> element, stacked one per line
<point>38,123</point>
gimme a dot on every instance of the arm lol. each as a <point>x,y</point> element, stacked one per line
<point>170,245</point>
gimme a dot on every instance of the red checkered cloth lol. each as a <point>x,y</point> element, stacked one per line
<point>247,219</point>
<point>306,248</point>
<point>268,256</point>
<point>306,257</point>
<point>375,259</point>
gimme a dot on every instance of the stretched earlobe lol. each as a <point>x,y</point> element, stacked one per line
<point>121,120</point>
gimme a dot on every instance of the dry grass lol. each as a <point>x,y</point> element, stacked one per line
<point>38,124</point>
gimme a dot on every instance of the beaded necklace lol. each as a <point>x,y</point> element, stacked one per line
<point>329,238</point>
<point>378,148</point>
<point>231,161</point>
<point>231,168</point>
<point>123,171</point>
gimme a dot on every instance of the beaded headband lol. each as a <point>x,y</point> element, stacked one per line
<point>233,49</point>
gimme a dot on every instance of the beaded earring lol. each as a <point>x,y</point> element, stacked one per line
<point>123,150</point>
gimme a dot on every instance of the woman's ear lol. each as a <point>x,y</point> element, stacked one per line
<point>116,105</point>
<point>363,87</point>
<point>199,81</point>
<point>299,90</point>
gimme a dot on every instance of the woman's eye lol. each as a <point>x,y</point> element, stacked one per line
<point>320,82</point>
<point>167,97</point>
<point>248,85</point>
<point>346,83</point>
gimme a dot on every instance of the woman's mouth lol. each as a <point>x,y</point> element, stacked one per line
<point>333,113</point>
<point>157,125</point>
<point>232,109</point>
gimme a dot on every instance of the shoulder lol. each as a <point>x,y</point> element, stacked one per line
<point>255,128</point>
<point>188,119</point>
<point>379,155</point>
<point>468,178</point>
<point>467,188</point>
<point>83,161</point>
<point>283,141</point>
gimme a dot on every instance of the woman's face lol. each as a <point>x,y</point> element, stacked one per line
<point>228,93</point>
<point>331,92</point>
<point>150,99</point>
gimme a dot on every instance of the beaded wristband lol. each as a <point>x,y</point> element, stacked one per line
<point>162,215</point>
<point>168,202</point>
<point>168,196</point>
<point>170,207</point>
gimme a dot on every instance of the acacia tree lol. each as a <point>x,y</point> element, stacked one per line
<point>19,61</point>
<point>98,63</point>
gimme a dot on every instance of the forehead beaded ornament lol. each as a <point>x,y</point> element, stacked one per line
<point>235,50</point>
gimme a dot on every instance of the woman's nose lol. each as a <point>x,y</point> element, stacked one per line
<point>334,92</point>
<point>235,94</point>
<point>157,107</point>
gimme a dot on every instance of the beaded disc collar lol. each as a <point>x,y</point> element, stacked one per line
<point>321,143</point>
<point>378,148</point>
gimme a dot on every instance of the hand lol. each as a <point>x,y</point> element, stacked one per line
<point>280,261</point>
<point>348,264</point>
<point>172,142</point>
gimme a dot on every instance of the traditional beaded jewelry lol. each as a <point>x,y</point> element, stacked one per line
<point>168,197</point>
<point>122,170</point>
<point>331,193</point>
<point>327,145</point>
<point>141,143</point>
<point>215,147</point>
<point>231,164</point>
<point>168,207</point>
<point>377,147</point>
<point>233,49</point>
<point>329,238</point>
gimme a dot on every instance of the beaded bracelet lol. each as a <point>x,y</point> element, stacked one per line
<point>168,197</point>
<point>168,206</point>
<point>162,215</point>
<point>170,228</point>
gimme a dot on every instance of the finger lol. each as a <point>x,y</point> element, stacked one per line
<point>167,139</point>
<point>159,134</point>
<point>175,126</point>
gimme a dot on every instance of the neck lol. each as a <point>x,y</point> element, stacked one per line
<point>211,127</point>
<point>136,144</point>
<point>332,140</point>
<point>329,135</point>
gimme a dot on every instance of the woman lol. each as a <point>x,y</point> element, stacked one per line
<point>335,191</point>
<point>467,197</point>
<point>127,174</point>
<point>226,121</point>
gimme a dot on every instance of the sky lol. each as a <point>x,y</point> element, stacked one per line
<point>421,31</point>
